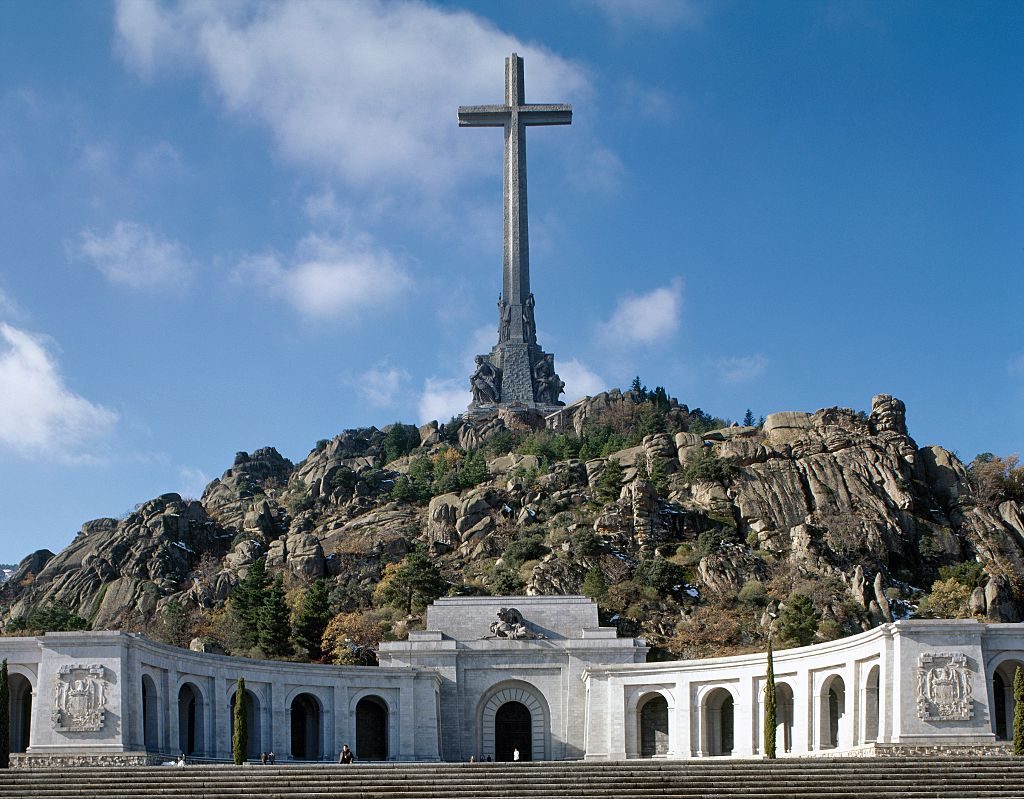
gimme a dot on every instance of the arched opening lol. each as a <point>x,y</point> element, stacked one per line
<point>783,717</point>
<point>513,730</point>
<point>488,722</point>
<point>150,729</point>
<point>653,721</point>
<point>254,746</point>
<point>833,709</point>
<point>1003,704</point>
<point>717,726</point>
<point>871,706</point>
<point>372,729</point>
<point>305,727</point>
<point>21,712</point>
<point>190,720</point>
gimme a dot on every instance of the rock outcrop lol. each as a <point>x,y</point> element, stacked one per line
<point>838,504</point>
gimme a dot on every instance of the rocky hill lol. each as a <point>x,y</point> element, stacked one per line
<point>701,540</point>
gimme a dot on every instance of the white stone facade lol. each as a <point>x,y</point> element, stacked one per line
<point>552,684</point>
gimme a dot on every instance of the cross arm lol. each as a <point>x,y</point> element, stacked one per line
<point>483,116</point>
<point>546,114</point>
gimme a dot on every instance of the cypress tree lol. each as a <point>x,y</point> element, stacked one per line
<point>1018,713</point>
<point>5,717</point>
<point>240,738</point>
<point>274,627</point>
<point>769,707</point>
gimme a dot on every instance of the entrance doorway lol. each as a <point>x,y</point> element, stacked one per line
<point>191,733</point>
<point>20,712</point>
<point>305,727</point>
<point>654,726</point>
<point>371,729</point>
<point>513,729</point>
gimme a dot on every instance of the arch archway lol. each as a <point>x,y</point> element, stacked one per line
<point>372,728</point>
<point>254,744</point>
<point>871,705</point>
<point>191,720</point>
<point>150,725</point>
<point>717,723</point>
<point>783,717</point>
<point>306,722</point>
<point>513,733</point>
<point>20,712</point>
<point>652,720</point>
<point>833,710</point>
<point>539,720</point>
<point>1003,703</point>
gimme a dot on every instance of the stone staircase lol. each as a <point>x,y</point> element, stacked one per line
<point>839,778</point>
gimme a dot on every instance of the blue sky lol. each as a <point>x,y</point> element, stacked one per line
<point>230,225</point>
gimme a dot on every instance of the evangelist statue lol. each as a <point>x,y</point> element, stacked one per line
<point>546,384</point>
<point>485,382</point>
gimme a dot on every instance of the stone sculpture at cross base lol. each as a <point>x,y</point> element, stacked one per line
<point>517,373</point>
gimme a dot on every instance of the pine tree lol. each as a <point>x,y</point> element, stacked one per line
<point>1018,713</point>
<point>247,602</point>
<point>798,622</point>
<point>5,717</point>
<point>748,418</point>
<point>313,618</point>
<point>240,738</point>
<point>415,583</point>
<point>594,584</point>
<point>609,484</point>
<point>769,707</point>
<point>273,629</point>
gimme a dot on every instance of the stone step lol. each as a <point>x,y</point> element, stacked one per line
<point>807,778</point>
<point>823,791</point>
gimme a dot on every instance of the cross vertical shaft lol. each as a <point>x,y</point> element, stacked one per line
<point>514,117</point>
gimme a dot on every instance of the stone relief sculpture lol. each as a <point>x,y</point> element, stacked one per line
<point>529,326</point>
<point>505,315</point>
<point>79,699</point>
<point>944,687</point>
<point>486,381</point>
<point>546,384</point>
<point>510,625</point>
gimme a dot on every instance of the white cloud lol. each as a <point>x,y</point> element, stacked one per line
<point>324,209</point>
<point>193,482</point>
<point>647,318</point>
<point>8,307</point>
<point>580,380</point>
<point>444,398</point>
<point>365,89</point>
<point>328,277</point>
<point>740,368</point>
<point>1015,366</point>
<point>650,13</point>
<point>134,256</point>
<point>382,385</point>
<point>39,415</point>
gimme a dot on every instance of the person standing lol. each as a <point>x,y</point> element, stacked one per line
<point>346,758</point>
<point>515,754</point>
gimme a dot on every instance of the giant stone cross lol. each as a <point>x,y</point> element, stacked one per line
<point>517,370</point>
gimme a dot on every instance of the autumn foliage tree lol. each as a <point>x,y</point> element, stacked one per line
<point>351,639</point>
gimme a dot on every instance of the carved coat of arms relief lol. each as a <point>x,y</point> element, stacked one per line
<point>79,698</point>
<point>944,687</point>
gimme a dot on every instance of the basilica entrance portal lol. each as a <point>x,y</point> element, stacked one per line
<point>513,729</point>
<point>514,715</point>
